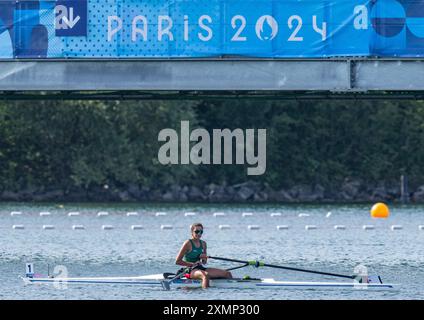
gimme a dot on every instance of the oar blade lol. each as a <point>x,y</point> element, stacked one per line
<point>374,279</point>
<point>368,279</point>
<point>165,285</point>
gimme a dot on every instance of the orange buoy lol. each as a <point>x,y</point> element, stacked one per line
<point>380,210</point>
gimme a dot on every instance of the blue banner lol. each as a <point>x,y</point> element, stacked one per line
<point>213,28</point>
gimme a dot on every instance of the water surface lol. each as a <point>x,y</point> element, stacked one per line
<point>396,255</point>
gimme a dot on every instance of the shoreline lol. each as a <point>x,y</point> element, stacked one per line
<point>247,192</point>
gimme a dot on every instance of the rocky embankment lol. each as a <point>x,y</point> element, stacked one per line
<point>349,191</point>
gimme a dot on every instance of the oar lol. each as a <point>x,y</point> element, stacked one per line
<point>261,264</point>
<point>166,283</point>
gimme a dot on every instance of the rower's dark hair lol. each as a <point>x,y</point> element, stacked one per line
<point>194,225</point>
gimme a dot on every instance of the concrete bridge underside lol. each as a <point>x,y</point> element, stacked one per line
<point>213,78</point>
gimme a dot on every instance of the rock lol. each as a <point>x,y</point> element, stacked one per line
<point>220,195</point>
<point>333,193</point>
<point>124,196</point>
<point>350,189</point>
<point>9,196</point>
<point>267,192</point>
<point>113,195</point>
<point>282,196</point>
<point>101,194</point>
<point>27,194</point>
<point>393,192</point>
<point>418,196</point>
<point>210,189</point>
<point>307,193</point>
<point>134,190</point>
<point>380,194</point>
<point>295,191</point>
<point>168,196</point>
<point>178,193</point>
<point>194,193</point>
<point>230,190</point>
<point>77,195</point>
<point>252,185</point>
<point>245,193</point>
<point>182,197</point>
<point>260,196</point>
<point>155,195</point>
<point>319,191</point>
<point>53,195</point>
<point>346,196</point>
<point>144,193</point>
<point>175,188</point>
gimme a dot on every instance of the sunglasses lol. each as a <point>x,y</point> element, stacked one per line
<point>198,231</point>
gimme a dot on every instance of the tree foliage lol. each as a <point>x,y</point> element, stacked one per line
<point>85,144</point>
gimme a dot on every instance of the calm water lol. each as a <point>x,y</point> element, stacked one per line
<point>396,255</point>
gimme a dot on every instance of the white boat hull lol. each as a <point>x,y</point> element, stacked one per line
<point>155,281</point>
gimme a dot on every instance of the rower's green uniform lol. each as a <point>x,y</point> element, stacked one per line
<point>194,254</point>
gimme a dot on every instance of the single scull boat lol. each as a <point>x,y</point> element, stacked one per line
<point>180,281</point>
<point>156,280</point>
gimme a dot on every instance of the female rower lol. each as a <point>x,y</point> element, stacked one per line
<point>193,255</point>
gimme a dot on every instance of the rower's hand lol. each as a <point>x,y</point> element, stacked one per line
<point>204,258</point>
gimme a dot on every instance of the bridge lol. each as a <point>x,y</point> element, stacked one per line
<point>213,78</point>
<point>186,49</point>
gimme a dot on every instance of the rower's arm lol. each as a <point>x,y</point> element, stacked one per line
<point>204,256</point>
<point>179,260</point>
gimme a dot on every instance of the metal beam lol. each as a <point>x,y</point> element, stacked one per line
<point>379,75</point>
<point>210,95</point>
<point>225,78</point>
<point>173,75</point>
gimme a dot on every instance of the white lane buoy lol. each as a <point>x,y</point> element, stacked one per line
<point>48,227</point>
<point>224,227</point>
<point>328,215</point>
<point>253,227</point>
<point>78,227</point>
<point>339,227</point>
<point>421,227</point>
<point>303,215</point>
<point>132,214</point>
<point>368,227</point>
<point>45,214</point>
<point>283,227</point>
<point>102,214</point>
<point>166,227</point>
<point>396,227</point>
<point>310,227</point>
<point>247,214</point>
<point>189,214</point>
<point>73,214</point>
<point>160,214</point>
<point>18,227</point>
<point>275,214</point>
<point>219,214</point>
<point>136,227</point>
<point>107,227</point>
<point>15,213</point>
